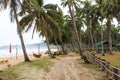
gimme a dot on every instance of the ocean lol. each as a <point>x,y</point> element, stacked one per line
<point>17,49</point>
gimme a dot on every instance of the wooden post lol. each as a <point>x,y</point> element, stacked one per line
<point>107,70</point>
<point>103,64</point>
<point>115,70</point>
<point>107,66</point>
<point>93,58</point>
<point>99,62</point>
<point>96,60</point>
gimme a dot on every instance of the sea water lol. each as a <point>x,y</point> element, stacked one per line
<point>17,49</point>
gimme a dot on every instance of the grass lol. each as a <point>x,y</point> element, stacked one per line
<point>41,63</point>
<point>90,66</point>
<point>93,68</point>
<point>9,74</point>
<point>44,63</point>
<point>12,73</point>
<point>113,59</point>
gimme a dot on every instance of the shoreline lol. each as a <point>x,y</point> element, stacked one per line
<point>8,61</point>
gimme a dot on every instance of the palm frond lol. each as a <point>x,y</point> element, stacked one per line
<point>64,3</point>
<point>6,3</point>
<point>35,5</point>
<point>26,21</point>
<point>51,6</point>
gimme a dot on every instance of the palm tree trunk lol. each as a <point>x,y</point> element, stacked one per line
<point>74,27</point>
<point>91,37</point>
<point>72,46</point>
<point>102,47</point>
<point>80,38</point>
<point>63,48</point>
<point>76,33</point>
<point>26,59</point>
<point>49,50</point>
<point>109,35</point>
<point>57,46</point>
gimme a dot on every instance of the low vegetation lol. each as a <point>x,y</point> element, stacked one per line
<point>113,59</point>
<point>13,72</point>
<point>92,68</point>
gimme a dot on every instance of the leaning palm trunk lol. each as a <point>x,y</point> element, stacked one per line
<point>80,38</point>
<point>76,33</point>
<point>57,46</point>
<point>47,41</point>
<point>26,59</point>
<point>74,26</point>
<point>49,51</point>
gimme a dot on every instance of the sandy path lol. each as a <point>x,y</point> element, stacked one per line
<point>64,69</point>
<point>67,69</point>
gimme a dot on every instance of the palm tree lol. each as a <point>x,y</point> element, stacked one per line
<point>108,13</point>
<point>99,3</point>
<point>56,13</point>
<point>13,12</point>
<point>68,32</point>
<point>69,3</point>
<point>91,15</point>
<point>116,8</point>
<point>42,17</point>
<point>71,10</point>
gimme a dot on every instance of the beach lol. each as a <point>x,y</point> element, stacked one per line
<point>66,68</point>
<point>6,62</point>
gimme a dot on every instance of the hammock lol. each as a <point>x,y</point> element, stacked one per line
<point>36,55</point>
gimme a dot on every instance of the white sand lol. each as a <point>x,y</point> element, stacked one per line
<point>5,62</point>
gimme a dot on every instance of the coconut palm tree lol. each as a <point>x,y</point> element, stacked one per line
<point>88,19</point>
<point>43,17</point>
<point>70,6</point>
<point>116,8</point>
<point>14,4</point>
<point>108,13</point>
<point>100,18</point>
<point>71,10</point>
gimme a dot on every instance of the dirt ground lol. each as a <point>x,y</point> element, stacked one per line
<point>67,69</point>
<point>64,69</point>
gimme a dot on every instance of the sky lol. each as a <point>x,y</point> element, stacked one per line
<point>8,30</point>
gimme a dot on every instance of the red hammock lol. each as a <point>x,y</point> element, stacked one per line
<point>37,55</point>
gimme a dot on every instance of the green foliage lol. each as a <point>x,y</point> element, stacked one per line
<point>49,21</point>
<point>66,35</point>
<point>36,4</point>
